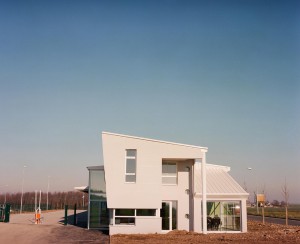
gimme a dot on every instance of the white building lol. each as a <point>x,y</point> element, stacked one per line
<point>152,186</point>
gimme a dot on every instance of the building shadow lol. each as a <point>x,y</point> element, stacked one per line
<point>80,221</point>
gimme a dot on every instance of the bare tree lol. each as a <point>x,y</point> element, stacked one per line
<point>285,193</point>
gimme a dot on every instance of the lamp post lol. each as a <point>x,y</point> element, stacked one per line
<point>249,168</point>
<point>48,191</point>
<point>21,208</point>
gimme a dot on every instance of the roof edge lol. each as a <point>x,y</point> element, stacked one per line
<point>98,167</point>
<point>154,140</point>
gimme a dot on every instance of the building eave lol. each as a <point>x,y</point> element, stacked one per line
<point>204,149</point>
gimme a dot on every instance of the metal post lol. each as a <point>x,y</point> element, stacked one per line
<point>263,213</point>
<point>66,215</point>
<point>21,208</point>
<point>7,213</point>
<point>74,221</point>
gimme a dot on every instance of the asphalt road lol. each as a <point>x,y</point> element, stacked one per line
<point>274,220</point>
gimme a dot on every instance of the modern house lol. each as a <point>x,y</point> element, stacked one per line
<point>153,186</point>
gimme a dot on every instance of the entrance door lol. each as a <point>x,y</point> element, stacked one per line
<point>168,215</point>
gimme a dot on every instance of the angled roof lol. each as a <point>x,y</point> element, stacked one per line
<point>153,140</point>
<point>220,182</point>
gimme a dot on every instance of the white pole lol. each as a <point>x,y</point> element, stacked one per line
<point>204,201</point>
<point>21,208</point>
<point>40,199</point>
<point>35,200</point>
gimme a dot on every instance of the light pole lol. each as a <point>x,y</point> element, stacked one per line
<point>48,191</point>
<point>249,168</point>
<point>24,166</point>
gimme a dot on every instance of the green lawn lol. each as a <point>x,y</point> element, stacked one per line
<point>279,212</point>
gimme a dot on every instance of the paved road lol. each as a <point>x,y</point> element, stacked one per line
<point>274,220</point>
<point>21,229</point>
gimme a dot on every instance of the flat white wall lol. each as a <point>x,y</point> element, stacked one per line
<point>142,225</point>
<point>147,191</point>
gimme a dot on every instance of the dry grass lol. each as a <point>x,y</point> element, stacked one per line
<point>257,233</point>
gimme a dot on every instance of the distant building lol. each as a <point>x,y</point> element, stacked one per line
<point>152,186</point>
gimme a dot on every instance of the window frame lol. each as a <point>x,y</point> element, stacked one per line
<point>169,175</point>
<point>134,216</point>
<point>130,174</point>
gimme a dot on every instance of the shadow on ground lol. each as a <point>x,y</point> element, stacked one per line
<point>80,220</point>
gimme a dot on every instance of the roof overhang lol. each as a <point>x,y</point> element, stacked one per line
<point>82,188</point>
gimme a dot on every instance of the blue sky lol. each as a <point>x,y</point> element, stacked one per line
<point>221,74</point>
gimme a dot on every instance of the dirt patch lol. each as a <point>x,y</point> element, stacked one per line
<point>257,233</point>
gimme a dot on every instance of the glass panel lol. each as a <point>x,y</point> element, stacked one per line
<point>99,215</point>
<point>169,180</point>
<point>169,168</point>
<point>124,221</point>
<point>97,185</point>
<point>104,214</point>
<point>174,215</point>
<point>164,168</point>
<point>172,168</point>
<point>130,165</point>
<point>131,152</point>
<point>165,216</point>
<point>124,212</point>
<point>146,212</point>
<point>130,178</point>
<point>94,215</point>
<point>223,216</point>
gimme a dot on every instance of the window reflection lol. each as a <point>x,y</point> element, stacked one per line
<point>223,216</point>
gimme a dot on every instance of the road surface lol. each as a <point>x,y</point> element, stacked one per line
<point>22,230</point>
<point>274,220</point>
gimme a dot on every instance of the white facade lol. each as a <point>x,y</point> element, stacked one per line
<point>155,186</point>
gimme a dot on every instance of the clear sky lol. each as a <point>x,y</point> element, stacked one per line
<point>221,74</point>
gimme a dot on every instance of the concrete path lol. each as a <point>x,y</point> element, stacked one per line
<point>22,229</point>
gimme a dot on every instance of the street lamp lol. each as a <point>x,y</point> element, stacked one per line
<point>249,168</point>
<point>24,166</point>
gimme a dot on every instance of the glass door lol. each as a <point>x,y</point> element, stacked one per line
<point>168,215</point>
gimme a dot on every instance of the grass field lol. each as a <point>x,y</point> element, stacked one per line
<point>278,212</point>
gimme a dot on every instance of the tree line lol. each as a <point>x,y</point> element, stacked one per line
<point>56,200</point>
